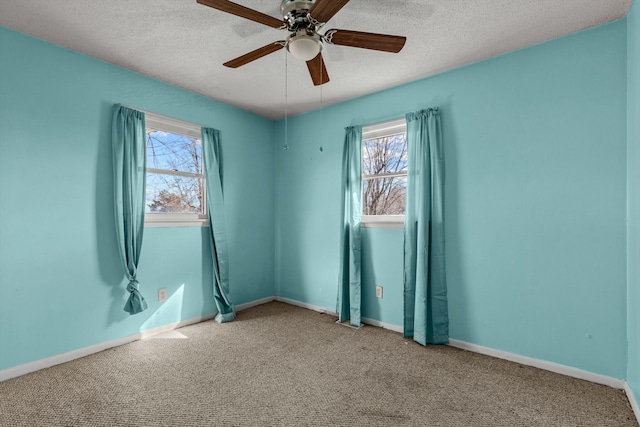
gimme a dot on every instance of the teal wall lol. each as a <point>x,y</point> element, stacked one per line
<point>539,149</point>
<point>61,283</point>
<point>535,154</point>
<point>633,198</point>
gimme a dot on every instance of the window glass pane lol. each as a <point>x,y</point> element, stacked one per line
<point>173,152</point>
<point>384,155</point>
<point>384,196</point>
<point>174,194</point>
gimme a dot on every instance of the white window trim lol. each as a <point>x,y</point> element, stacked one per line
<point>380,130</point>
<point>175,220</point>
<point>385,175</point>
<point>171,125</point>
<point>383,221</point>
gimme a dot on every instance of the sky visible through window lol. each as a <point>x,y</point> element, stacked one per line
<point>178,192</point>
<point>384,195</point>
<point>173,152</point>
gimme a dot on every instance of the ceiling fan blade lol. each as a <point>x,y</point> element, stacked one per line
<point>253,55</point>
<point>383,42</point>
<point>318,71</point>
<point>244,12</point>
<point>323,10</point>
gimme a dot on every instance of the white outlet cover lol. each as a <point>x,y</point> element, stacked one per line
<point>162,295</point>
<point>378,291</point>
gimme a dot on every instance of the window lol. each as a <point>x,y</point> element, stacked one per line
<point>175,194</point>
<point>384,174</point>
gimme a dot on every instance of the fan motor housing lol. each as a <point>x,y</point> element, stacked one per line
<point>294,13</point>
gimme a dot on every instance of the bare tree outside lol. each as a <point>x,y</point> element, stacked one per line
<point>384,195</point>
<point>176,182</point>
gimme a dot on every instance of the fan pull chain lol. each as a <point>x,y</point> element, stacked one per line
<point>321,109</point>
<point>286,100</point>
<point>321,85</point>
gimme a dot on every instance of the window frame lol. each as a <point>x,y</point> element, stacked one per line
<point>381,130</point>
<point>161,123</point>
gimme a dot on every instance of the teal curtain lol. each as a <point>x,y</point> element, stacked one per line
<point>426,317</point>
<point>129,172</point>
<point>349,286</point>
<point>218,232</point>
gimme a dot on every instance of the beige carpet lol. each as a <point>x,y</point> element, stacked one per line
<point>280,365</point>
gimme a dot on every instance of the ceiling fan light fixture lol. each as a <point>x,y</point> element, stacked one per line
<point>304,47</point>
<point>303,19</point>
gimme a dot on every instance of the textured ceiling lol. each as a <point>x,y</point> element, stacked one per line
<point>185,44</point>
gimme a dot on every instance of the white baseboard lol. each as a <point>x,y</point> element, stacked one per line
<point>323,310</point>
<point>27,368</point>
<point>19,370</point>
<point>549,366</point>
<point>541,364</point>
<point>257,302</point>
<point>632,400</point>
<point>384,325</point>
<point>169,327</point>
<point>307,306</point>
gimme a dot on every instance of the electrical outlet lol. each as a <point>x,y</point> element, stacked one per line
<point>378,291</point>
<point>162,295</point>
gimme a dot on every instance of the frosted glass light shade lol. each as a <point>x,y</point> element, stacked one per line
<point>304,47</point>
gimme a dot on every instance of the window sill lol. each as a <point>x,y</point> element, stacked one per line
<point>168,220</point>
<point>383,221</point>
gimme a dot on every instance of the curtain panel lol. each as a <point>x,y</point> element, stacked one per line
<point>349,286</point>
<point>426,316</point>
<point>211,148</point>
<point>129,172</point>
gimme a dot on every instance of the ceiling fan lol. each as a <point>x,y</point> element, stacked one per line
<point>303,19</point>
